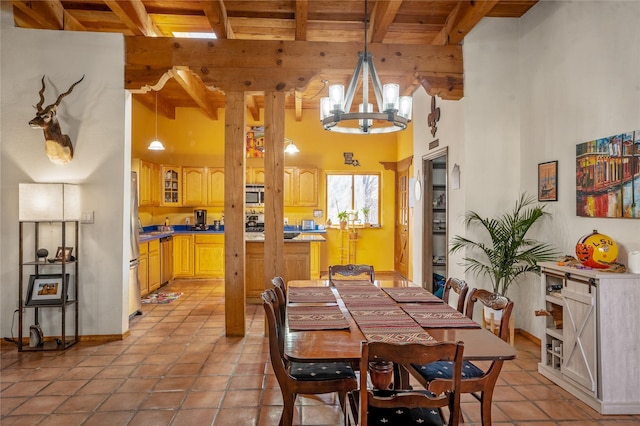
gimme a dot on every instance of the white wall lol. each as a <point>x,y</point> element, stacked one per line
<point>93,115</point>
<point>565,73</point>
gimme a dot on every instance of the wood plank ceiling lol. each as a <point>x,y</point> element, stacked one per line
<point>296,46</point>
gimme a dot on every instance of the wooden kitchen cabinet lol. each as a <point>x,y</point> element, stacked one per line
<point>300,186</point>
<point>589,347</point>
<point>314,260</point>
<point>209,256</point>
<point>148,182</point>
<point>215,186</point>
<point>171,186</point>
<point>154,266</point>
<point>143,269</point>
<point>194,184</point>
<point>254,175</point>
<point>183,251</point>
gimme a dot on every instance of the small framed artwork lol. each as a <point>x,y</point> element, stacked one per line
<point>548,181</point>
<point>46,289</point>
<point>63,254</point>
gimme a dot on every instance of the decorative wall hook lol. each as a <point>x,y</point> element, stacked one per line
<point>433,117</point>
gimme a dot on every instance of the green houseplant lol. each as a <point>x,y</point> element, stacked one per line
<point>508,254</point>
<point>365,213</point>
<point>342,218</point>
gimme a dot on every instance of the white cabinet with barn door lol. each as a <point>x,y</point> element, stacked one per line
<point>591,340</point>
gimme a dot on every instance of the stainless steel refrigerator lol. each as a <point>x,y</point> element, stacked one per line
<point>135,305</point>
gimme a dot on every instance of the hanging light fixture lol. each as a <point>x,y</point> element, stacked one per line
<point>291,148</point>
<point>335,110</point>
<point>156,145</point>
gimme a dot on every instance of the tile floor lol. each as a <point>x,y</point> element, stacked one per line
<point>178,368</point>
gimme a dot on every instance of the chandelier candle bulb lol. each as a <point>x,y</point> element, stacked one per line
<point>390,95</point>
<point>336,97</point>
<point>325,107</point>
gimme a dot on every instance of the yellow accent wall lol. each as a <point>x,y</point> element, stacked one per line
<point>192,139</point>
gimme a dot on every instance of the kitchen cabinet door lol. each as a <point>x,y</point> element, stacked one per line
<point>183,265</point>
<point>289,175</point>
<point>255,175</point>
<point>306,187</point>
<point>209,256</point>
<point>143,269</point>
<point>194,186</point>
<point>171,186</point>
<point>314,260</point>
<point>154,265</point>
<point>215,186</point>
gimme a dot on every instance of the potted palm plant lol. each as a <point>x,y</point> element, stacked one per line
<point>508,254</point>
<point>365,213</point>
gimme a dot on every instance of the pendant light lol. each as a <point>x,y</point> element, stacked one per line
<point>156,145</point>
<point>291,148</point>
<point>393,108</point>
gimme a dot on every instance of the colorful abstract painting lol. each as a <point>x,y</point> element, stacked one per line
<point>255,142</point>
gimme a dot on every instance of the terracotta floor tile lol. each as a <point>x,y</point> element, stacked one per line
<point>235,417</point>
<point>123,401</point>
<point>40,405</point>
<point>64,419</point>
<point>63,387</point>
<point>81,403</point>
<point>196,416</point>
<point>110,418</point>
<point>175,383</point>
<point>163,400</point>
<point>247,382</point>
<point>203,399</point>
<point>522,410</point>
<point>241,398</point>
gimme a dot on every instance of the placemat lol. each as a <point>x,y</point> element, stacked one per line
<point>311,295</point>
<point>328,317</point>
<point>418,337</point>
<point>346,283</point>
<point>412,294</point>
<point>437,316</point>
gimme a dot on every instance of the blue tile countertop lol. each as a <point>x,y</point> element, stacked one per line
<point>155,232</point>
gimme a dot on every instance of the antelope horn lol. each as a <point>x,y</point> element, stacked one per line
<point>57,102</point>
<point>41,92</point>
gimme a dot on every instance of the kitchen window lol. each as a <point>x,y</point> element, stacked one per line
<point>353,192</point>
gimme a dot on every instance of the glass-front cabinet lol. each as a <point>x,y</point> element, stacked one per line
<point>171,185</point>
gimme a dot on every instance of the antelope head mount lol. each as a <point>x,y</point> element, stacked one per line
<point>57,145</point>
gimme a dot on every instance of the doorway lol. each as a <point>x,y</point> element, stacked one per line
<point>435,220</point>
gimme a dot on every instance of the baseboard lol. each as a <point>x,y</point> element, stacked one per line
<point>97,339</point>
<point>529,336</point>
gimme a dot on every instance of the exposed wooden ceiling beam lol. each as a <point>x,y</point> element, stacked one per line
<point>135,17</point>
<point>252,106</point>
<point>468,15</point>
<point>384,12</point>
<point>195,89</point>
<point>239,65</point>
<point>216,13</point>
<point>297,98</point>
<point>72,24</point>
<point>47,13</point>
<point>302,11</point>
<point>165,108</point>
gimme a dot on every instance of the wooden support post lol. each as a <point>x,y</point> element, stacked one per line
<point>234,245</point>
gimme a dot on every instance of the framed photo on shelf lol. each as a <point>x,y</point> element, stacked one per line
<point>66,254</point>
<point>47,289</point>
<point>548,181</point>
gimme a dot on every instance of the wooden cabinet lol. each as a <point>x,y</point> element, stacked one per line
<point>154,265</point>
<point>171,186</point>
<point>209,256</point>
<point>314,260</point>
<point>215,186</point>
<point>143,269</point>
<point>300,186</point>
<point>194,184</point>
<point>590,340</point>
<point>254,175</point>
<point>148,182</point>
<point>183,265</point>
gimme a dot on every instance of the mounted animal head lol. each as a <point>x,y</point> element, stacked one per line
<point>57,145</point>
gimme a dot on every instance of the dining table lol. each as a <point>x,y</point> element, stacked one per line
<point>342,342</point>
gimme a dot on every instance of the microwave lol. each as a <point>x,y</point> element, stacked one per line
<point>254,196</point>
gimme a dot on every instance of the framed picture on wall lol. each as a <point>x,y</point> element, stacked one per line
<point>548,181</point>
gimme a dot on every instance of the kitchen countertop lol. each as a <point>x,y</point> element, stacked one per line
<point>305,236</point>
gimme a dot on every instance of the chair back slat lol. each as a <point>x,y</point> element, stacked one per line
<point>351,271</point>
<point>460,287</point>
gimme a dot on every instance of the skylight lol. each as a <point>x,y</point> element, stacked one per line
<point>182,34</point>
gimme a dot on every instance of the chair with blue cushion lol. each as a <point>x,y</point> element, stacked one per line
<point>301,378</point>
<point>460,288</point>
<point>368,406</point>
<point>475,381</point>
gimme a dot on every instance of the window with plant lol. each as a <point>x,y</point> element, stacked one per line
<point>354,193</point>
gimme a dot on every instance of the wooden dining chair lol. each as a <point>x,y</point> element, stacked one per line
<point>475,381</point>
<point>302,378</point>
<point>281,293</point>
<point>460,287</point>
<point>351,272</point>
<point>367,406</point>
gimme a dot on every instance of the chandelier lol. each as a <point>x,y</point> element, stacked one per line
<point>335,109</point>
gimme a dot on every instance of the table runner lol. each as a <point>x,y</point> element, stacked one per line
<point>311,295</point>
<point>411,294</point>
<point>328,317</point>
<point>431,315</point>
<point>360,283</point>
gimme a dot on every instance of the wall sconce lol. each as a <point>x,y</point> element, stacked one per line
<point>48,202</point>
<point>455,177</point>
<point>348,159</point>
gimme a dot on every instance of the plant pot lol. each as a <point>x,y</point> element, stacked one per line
<point>353,235</point>
<point>343,225</point>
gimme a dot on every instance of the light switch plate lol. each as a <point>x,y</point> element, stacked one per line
<point>86,216</point>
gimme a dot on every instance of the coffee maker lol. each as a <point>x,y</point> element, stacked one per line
<point>201,220</point>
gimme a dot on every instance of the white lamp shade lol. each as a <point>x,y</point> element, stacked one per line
<point>47,202</point>
<point>390,97</point>
<point>156,145</point>
<point>406,107</point>
<point>336,97</point>
<point>369,108</point>
<point>325,107</point>
<point>291,148</point>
